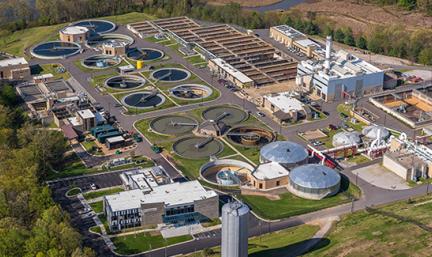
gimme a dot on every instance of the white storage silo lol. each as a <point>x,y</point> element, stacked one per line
<point>235,216</point>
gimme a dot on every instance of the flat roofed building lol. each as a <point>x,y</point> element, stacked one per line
<point>346,77</point>
<point>227,71</point>
<point>114,48</point>
<point>145,179</point>
<point>86,118</point>
<point>177,203</point>
<point>14,69</point>
<point>409,161</point>
<point>293,38</point>
<point>286,108</point>
<point>268,176</point>
<point>115,142</point>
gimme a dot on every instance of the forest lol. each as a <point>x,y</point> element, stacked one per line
<point>31,224</point>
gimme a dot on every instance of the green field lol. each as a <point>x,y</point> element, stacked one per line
<point>50,69</point>
<point>400,229</point>
<point>291,205</point>
<point>100,193</point>
<point>277,244</point>
<point>142,242</point>
<point>97,207</point>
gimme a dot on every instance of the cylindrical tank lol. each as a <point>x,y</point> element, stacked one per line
<point>235,216</point>
<point>140,64</point>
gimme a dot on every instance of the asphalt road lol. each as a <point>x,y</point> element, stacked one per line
<point>371,195</point>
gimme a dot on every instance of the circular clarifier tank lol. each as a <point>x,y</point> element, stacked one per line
<point>227,114</point>
<point>226,172</point>
<point>143,100</point>
<point>101,61</point>
<point>173,125</point>
<point>197,147</point>
<point>97,26</point>
<point>98,40</point>
<point>125,82</point>
<point>191,91</point>
<point>250,136</point>
<point>170,75</point>
<point>55,50</point>
<point>144,54</point>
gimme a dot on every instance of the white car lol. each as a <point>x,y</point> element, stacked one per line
<point>93,186</point>
<point>260,114</point>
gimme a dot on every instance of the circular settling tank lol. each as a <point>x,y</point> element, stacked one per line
<point>143,100</point>
<point>197,147</point>
<point>227,114</point>
<point>55,50</point>
<point>191,91</point>
<point>226,172</point>
<point>125,82</point>
<point>170,75</point>
<point>99,40</point>
<point>100,61</point>
<point>97,26</point>
<point>250,136</point>
<point>173,125</point>
<point>144,54</point>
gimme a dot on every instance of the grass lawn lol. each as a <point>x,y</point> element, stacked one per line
<point>100,80</point>
<point>99,193</point>
<point>72,167</point>
<point>291,205</point>
<point>50,68</point>
<point>195,59</point>
<point>142,242</point>
<point>73,192</point>
<point>91,147</point>
<point>277,244</point>
<point>129,18</point>
<point>97,206</point>
<point>358,159</point>
<point>400,229</point>
<point>96,229</point>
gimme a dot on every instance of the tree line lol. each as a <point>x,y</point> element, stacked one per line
<point>394,41</point>
<point>31,224</point>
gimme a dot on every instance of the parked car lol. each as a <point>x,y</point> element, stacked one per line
<point>317,143</point>
<point>333,127</point>
<point>93,186</point>
<point>260,114</point>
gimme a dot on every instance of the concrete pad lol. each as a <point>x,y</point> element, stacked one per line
<point>181,231</point>
<point>381,177</point>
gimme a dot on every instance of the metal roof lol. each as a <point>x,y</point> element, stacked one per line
<point>314,176</point>
<point>284,152</point>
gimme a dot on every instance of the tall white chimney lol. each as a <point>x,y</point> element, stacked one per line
<point>329,45</point>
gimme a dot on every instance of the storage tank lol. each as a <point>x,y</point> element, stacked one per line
<point>372,132</point>
<point>346,138</point>
<point>235,216</point>
<point>314,181</point>
<point>286,153</point>
<point>140,64</point>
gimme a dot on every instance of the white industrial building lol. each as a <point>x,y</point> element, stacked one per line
<point>176,203</point>
<point>286,108</point>
<point>339,76</point>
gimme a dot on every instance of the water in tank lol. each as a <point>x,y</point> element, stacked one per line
<point>227,178</point>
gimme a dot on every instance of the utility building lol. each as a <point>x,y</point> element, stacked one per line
<point>339,76</point>
<point>14,69</point>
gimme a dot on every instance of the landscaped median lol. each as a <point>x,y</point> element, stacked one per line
<point>142,242</point>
